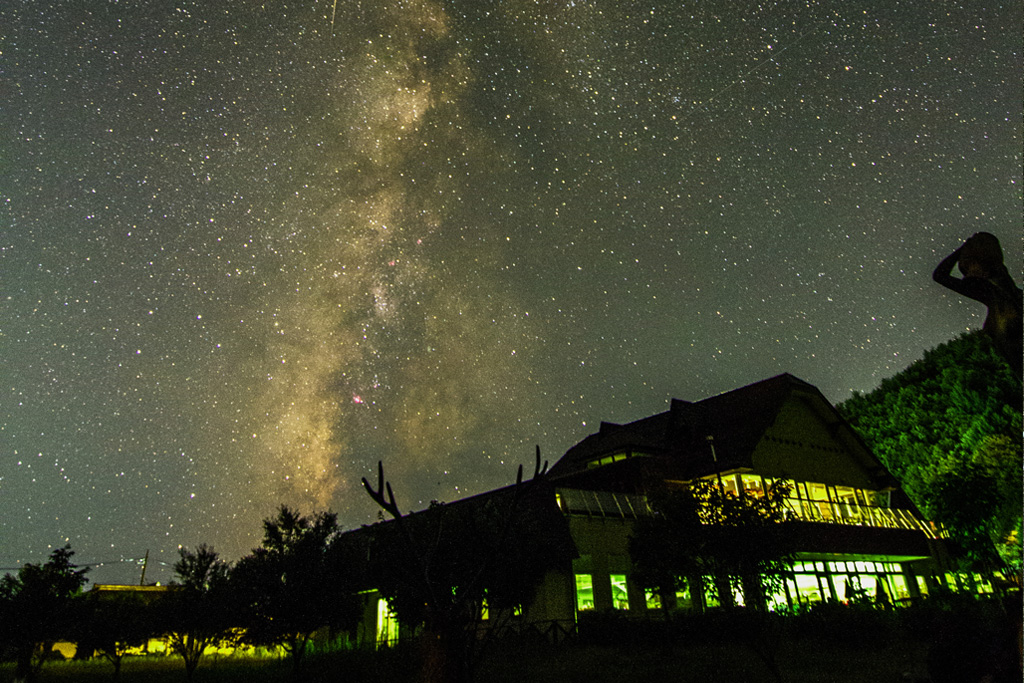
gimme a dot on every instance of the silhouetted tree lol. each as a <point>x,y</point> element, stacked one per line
<point>740,541</point>
<point>440,567</point>
<point>197,614</point>
<point>294,584</point>
<point>114,624</point>
<point>37,609</point>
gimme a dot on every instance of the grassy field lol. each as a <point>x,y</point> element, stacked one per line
<point>806,660</point>
<point>830,646</point>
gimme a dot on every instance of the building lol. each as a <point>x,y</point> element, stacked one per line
<point>855,531</point>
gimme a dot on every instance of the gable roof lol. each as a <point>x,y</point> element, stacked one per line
<point>678,442</point>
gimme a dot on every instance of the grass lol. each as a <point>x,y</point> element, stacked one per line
<point>831,645</point>
<point>810,660</point>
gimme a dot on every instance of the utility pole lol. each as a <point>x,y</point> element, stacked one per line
<point>714,458</point>
<point>145,561</point>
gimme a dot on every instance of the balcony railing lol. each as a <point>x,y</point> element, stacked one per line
<point>859,515</point>
<point>633,506</point>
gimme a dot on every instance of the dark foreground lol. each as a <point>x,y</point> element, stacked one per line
<point>836,645</point>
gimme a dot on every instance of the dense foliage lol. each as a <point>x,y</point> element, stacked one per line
<point>948,427</point>
<point>37,609</point>
<point>294,583</point>
<point>702,530</point>
<point>112,625</point>
<point>198,613</point>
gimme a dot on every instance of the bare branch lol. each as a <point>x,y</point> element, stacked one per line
<point>539,471</point>
<point>387,504</point>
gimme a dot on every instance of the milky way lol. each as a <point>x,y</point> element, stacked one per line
<point>251,250</point>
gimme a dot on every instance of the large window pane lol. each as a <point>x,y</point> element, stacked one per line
<point>898,586</point>
<point>620,597</point>
<point>807,588</point>
<point>683,598</point>
<point>752,485</point>
<point>387,624</point>
<point>584,592</point>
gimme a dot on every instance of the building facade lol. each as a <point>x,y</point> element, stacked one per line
<point>856,534</point>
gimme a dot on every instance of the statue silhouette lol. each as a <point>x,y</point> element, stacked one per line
<point>986,279</point>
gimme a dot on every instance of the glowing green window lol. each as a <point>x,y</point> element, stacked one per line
<point>710,592</point>
<point>652,599</point>
<point>584,592</point>
<point>808,589</point>
<point>683,599</point>
<point>620,597</point>
<point>387,625</point>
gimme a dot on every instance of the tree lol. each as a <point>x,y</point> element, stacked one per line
<point>37,609</point>
<point>739,541</point>
<point>439,568</point>
<point>948,427</point>
<point>197,613</point>
<point>113,625</point>
<point>294,584</point>
<point>702,530</point>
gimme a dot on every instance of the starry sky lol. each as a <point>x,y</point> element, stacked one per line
<point>250,249</point>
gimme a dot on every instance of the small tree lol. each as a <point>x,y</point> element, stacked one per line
<point>37,609</point>
<point>197,614</point>
<point>291,585</point>
<point>740,541</point>
<point>702,530</point>
<point>113,625</point>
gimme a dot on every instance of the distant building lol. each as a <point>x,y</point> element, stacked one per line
<point>855,530</point>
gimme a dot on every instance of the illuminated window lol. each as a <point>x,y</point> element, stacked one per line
<point>752,485</point>
<point>777,600</point>
<point>607,460</point>
<point>584,592</point>
<point>710,594</point>
<point>878,498</point>
<point>847,498</point>
<point>807,588</point>
<point>729,485</point>
<point>898,587</point>
<point>816,491</point>
<point>922,585</point>
<point>683,598</point>
<point>387,624</point>
<point>620,597</point>
<point>652,599</point>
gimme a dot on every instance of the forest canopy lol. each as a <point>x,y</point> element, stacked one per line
<point>948,427</point>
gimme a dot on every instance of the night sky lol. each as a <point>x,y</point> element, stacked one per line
<point>250,249</point>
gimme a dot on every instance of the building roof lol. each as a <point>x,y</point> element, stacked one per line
<point>694,439</point>
<point>524,515</point>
